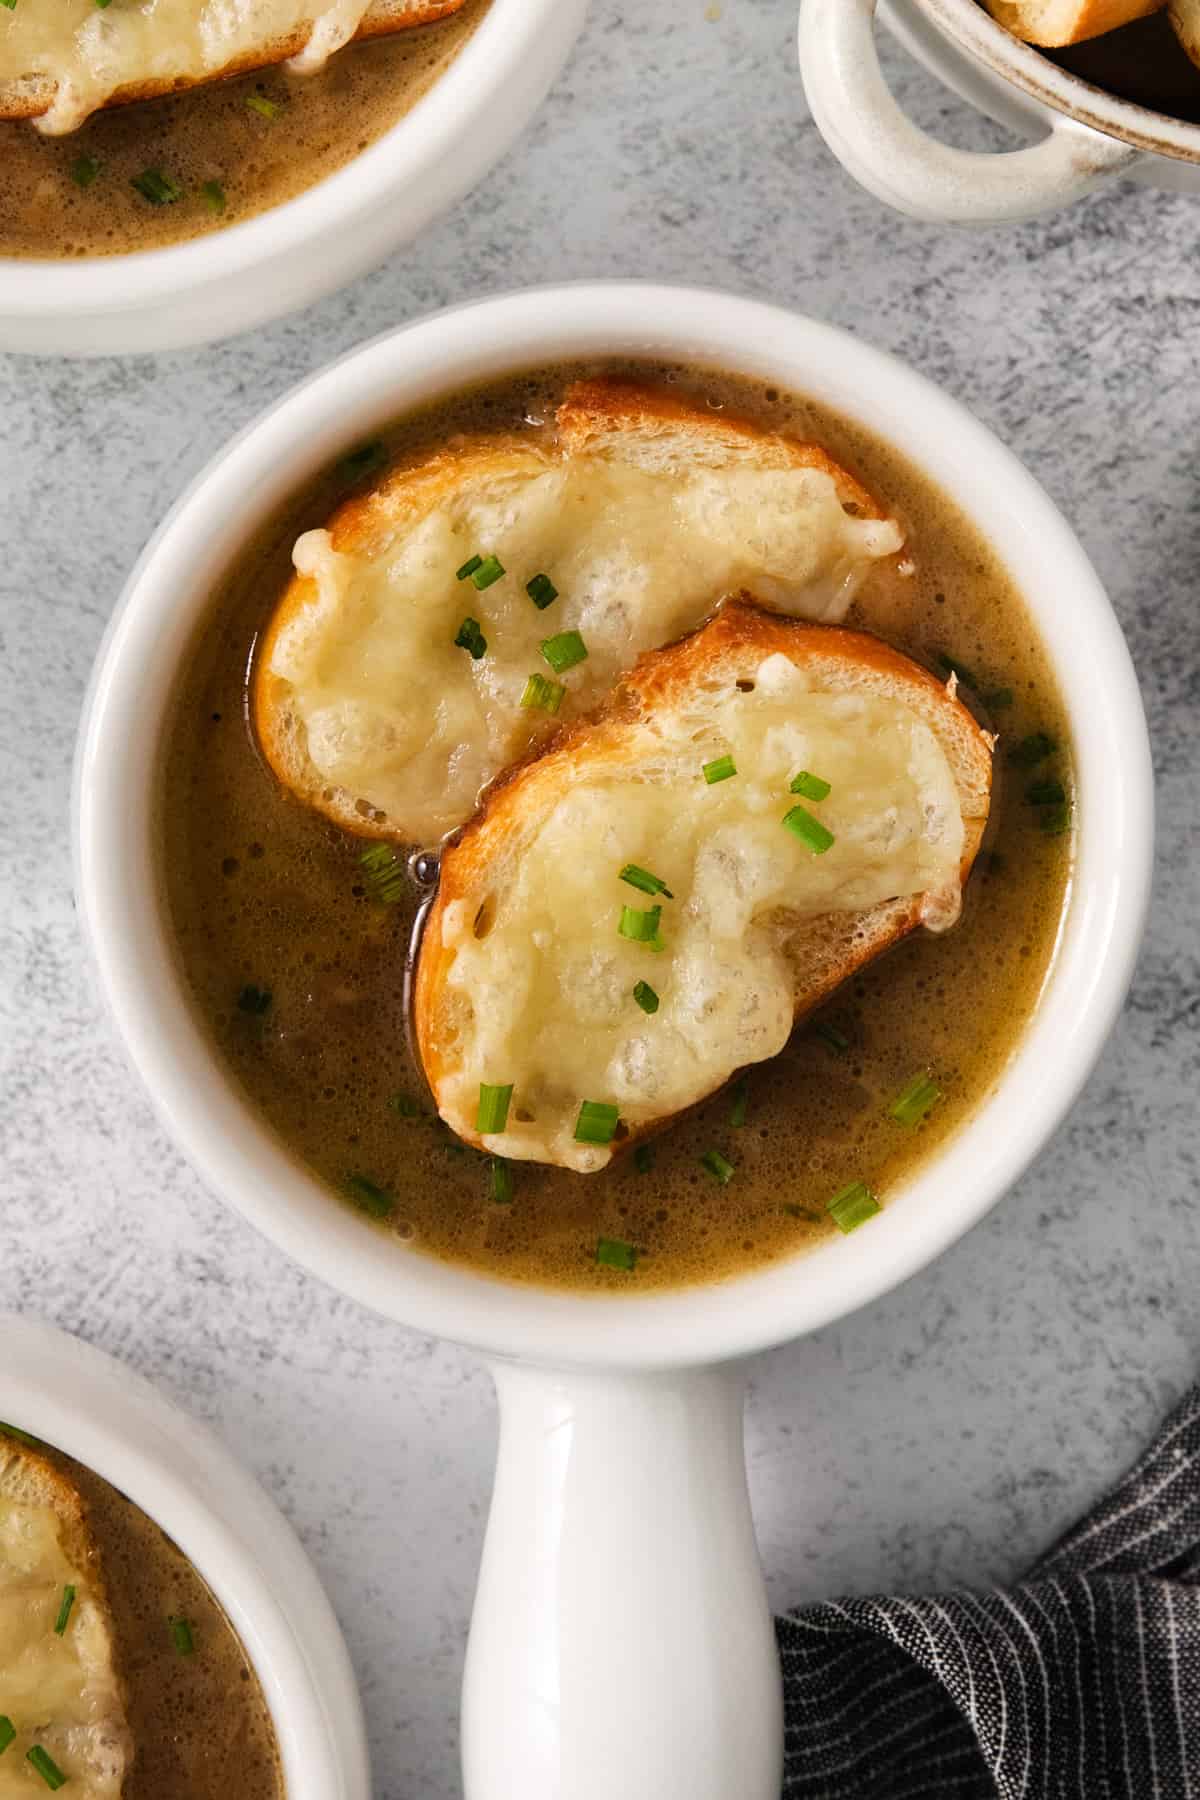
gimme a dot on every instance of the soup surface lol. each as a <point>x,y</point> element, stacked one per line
<point>197,1715</point>
<point>299,974</point>
<point>221,152</point>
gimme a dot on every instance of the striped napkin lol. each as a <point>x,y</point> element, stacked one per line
<point>1080,1683</point>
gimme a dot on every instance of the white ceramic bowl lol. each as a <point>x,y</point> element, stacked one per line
<point>1086,136</point>
<point>620,1530</point>
<point>87,1405</point>
<point>228,281</point>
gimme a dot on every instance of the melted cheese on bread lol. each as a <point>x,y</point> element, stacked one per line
<point>92,51</point>
<point>59,1690</point>
<point>404,727</point>
<point>539,980</point>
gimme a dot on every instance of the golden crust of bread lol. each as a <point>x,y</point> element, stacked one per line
<point>29,102</point>
<point>831,947</point>
<point>1185,19</point>
<point>595,416</point>
<point>1053,24</point>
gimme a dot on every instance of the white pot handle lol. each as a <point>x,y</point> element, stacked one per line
<point>881,147</point>
<point>622,1646</point>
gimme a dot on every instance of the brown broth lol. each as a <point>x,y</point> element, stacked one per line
<point>262,892</point>
<point>209,134</point>
<point>200,1724</point>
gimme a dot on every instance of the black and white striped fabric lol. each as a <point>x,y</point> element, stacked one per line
<point>1080,1683</point>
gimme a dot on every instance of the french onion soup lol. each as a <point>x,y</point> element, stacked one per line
<point>542,792</point>
<point>231,128</point>
<point>120,1676</point>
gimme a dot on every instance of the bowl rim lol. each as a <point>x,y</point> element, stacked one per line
<point>80,1400</point>
<point>342,405</point>
<point>976,31</point>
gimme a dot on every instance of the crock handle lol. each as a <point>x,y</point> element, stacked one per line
<point>622,1646</point>
<point>881,147</point>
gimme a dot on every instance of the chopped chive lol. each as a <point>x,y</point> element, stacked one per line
<point>500,1181</point>
<point>810,786</point>
<point>564,651</point>
<point>490,570</point>
<point>492,1114</point>
<point>1032,749</point>
<point>852,1206</point>
<point>1046,793</point>
<point>996,699</point>
<point>829,1034</point>
<point>810,831</point>
<point>597,1123</point>
<point>84,171</point>
<point>1056,820</point>
<point>643,1158</point>
<point>542,694</point>
<point>541,591</point>
<point>468,568</point>
<point>64,1611</point>
<point>11,4</point>
<point>156,187</point>
<point>645,881</point>
<point>737,1113</point>
<point>14,1431</point>
<point>254,1000</point>
<point>915,1100</point>
<point>645,996</point>
<point>720,769</point>
<point>641,927</point>
<point>103,3</point>
<point>182,1636</point>
<point>611,1253</point>
<point>950,665</point>
<point>8,1730</point>
<point>361,461</point>
<point>213,195</point>
<point>721,1170</point>
<point>404,1106</point>
<point>268,109</point>
<point>383,873</point>
<point>470,637</point>
<point>369,1196</point>
<point>46,1767</point>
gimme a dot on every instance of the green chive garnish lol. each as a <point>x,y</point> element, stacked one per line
<point>852,1206</point>
<point>268,109</point>
<point>22,1437</point>
<point>501,1181</point>
<point>737,1115</point>
<point>490,570</point>
<point>64,1611</point>
<point>541,591</point>
<point>157,188</point>
<point>84,171</point>
<point>8,1730</point>
<point>492,1114</point>
<point>356,462</point>
<point>469,567</point>
<point>810,831</point>
<point>471,638</point>
<point>641,927</point>
<point>182,1637</point>
<point>542,694</point>
<point>383,874</point>
<point>213,195</point>
<point>645,881</point>
<point>1056,819</point>
<point>720,769</point>
<point>404,1106</point>
<point>643,1158</point>
<point>1046,793</point>
<point>1032,749</point>
<point>915,1100</point>
<point>46,1767</point>
<point>597,1123</point>
<point>717,1166</point>
<point>564,651</point>
<point>810,786</point>
<point>11,4</point>
<point>611,1253</point>
<point>829,1034</point>
<point>645,996</point>
<point>369,1196</point>
<point>254,1000</point>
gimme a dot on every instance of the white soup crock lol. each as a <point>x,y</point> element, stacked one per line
<point>622,1643</point>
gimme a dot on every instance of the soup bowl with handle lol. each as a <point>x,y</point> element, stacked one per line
<point>1085,136</point>
<point>85,1404</point>
<point>295,253</point>
<point>621,1642</point>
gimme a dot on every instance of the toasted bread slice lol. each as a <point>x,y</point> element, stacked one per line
<point>641,512</point>
<point>1055,23</point>
<point>59,1688</point>
<point>526,975</point>
<point>60,63</point>
<point>1185,17</point>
